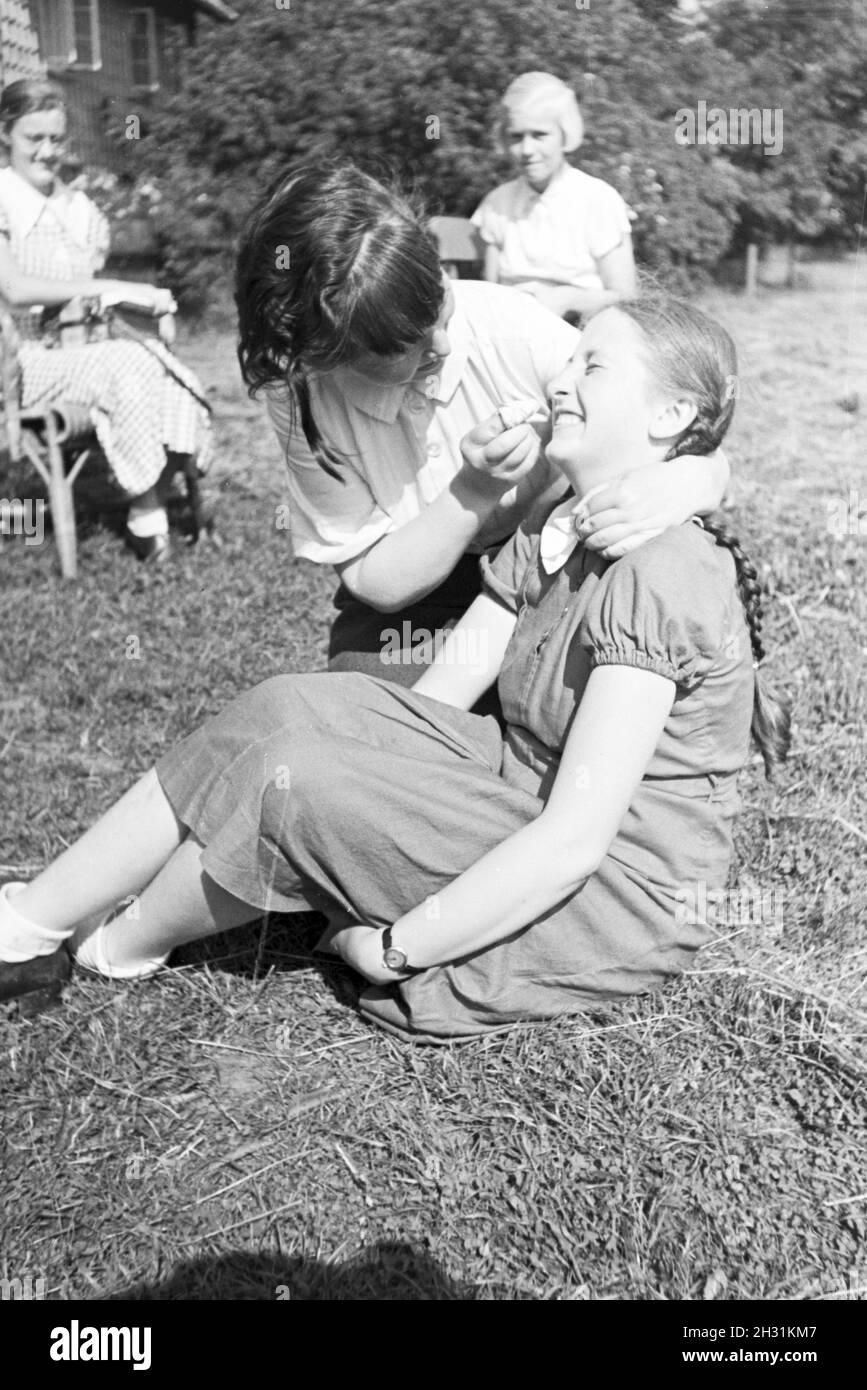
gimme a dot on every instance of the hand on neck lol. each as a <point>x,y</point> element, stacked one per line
<point>585,473</point>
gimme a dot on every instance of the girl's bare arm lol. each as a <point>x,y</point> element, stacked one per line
<point>21,290</point>
<point>614,734</point>
<point>491,269</point>
<point>469,660</point>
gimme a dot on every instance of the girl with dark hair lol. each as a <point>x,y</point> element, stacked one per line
<point>375,368</point>
<point>146,407</point>
<point>476,878</point>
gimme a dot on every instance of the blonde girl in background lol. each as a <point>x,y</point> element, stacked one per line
<point>553,231</point>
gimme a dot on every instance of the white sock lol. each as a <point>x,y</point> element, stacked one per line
<point>90,954</point>
<point>21,939</point>
<point>147,521</point>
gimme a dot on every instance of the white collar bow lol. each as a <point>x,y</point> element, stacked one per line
<point>558,537</point>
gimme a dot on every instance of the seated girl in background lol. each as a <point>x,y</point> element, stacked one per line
<point>476,878</point>
<point>554,231</point>
<point>147,409</point>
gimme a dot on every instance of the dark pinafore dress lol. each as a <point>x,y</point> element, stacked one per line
<point>359,798</point>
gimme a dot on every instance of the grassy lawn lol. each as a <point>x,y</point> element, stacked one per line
<point>234,1131</point>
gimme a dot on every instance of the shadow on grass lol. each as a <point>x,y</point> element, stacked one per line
<point>279,943</point>
<point>386,1272</point>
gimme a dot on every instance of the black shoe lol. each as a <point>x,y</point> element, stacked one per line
<point>154,550</point>
<point>37,982</point>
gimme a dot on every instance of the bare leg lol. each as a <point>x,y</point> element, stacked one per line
<point>181,904</point>
<point>116,858</point>
<point>147,501</point>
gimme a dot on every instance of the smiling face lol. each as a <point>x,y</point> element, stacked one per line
<point>36,145</point>
<point>608,414</point>
<point>535,141</point>
<point>425,357</point>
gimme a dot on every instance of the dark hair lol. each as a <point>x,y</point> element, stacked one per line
<point>694,355</point>
<point>331,264</point>
<point>24,97</point>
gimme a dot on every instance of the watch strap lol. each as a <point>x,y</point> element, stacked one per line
<point>388,945</point>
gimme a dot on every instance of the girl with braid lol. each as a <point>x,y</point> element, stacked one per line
<point>474,877</point>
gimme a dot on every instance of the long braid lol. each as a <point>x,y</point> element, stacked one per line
<point>771,725</point>
<point>749,587</point>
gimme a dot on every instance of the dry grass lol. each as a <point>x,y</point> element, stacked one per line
<point>234,1131</point>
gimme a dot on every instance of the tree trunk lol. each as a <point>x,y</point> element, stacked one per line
<point>791,264</point>
<point>752,270</point>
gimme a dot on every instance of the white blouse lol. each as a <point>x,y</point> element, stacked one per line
<point>61,238</point>
<point>402,443</point>
<point>557,235</point>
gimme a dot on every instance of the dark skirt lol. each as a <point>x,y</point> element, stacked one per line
<point>396,647</point>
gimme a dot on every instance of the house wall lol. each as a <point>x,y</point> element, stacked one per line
<point>101,101</point>
<point>19,52</point>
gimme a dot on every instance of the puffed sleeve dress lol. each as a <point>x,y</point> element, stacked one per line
<point>359,798</point>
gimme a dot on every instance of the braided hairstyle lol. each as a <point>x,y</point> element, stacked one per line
<point>771,713</point>
<point>330,264</point>
<point>692,355</point>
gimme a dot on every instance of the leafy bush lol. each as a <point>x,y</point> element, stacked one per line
<point>411,89</point>
<point>120,198</point>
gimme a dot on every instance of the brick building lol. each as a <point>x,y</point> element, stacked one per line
<point>113,58</point>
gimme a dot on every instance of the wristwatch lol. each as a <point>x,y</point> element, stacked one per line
<point>393,958</point>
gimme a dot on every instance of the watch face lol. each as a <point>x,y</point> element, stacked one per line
<point>394,959</point>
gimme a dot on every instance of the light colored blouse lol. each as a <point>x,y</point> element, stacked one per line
<point>402,443</point>
<point>556,236</point>
<point>61,238</point>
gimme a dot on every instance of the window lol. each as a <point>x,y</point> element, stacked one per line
<point>68,33</point>
<point>85,29</point>
<point>54,29</point>
<point>172,40</point>
<point>143,49</point>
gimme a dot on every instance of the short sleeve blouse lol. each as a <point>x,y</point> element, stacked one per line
<point>558,235</point>
<point>670,607</point>
<point>58,239</point>
<point>643,614</point>
<point>401,445</point>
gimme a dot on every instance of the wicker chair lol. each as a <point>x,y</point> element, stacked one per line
<point>57,442</point>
